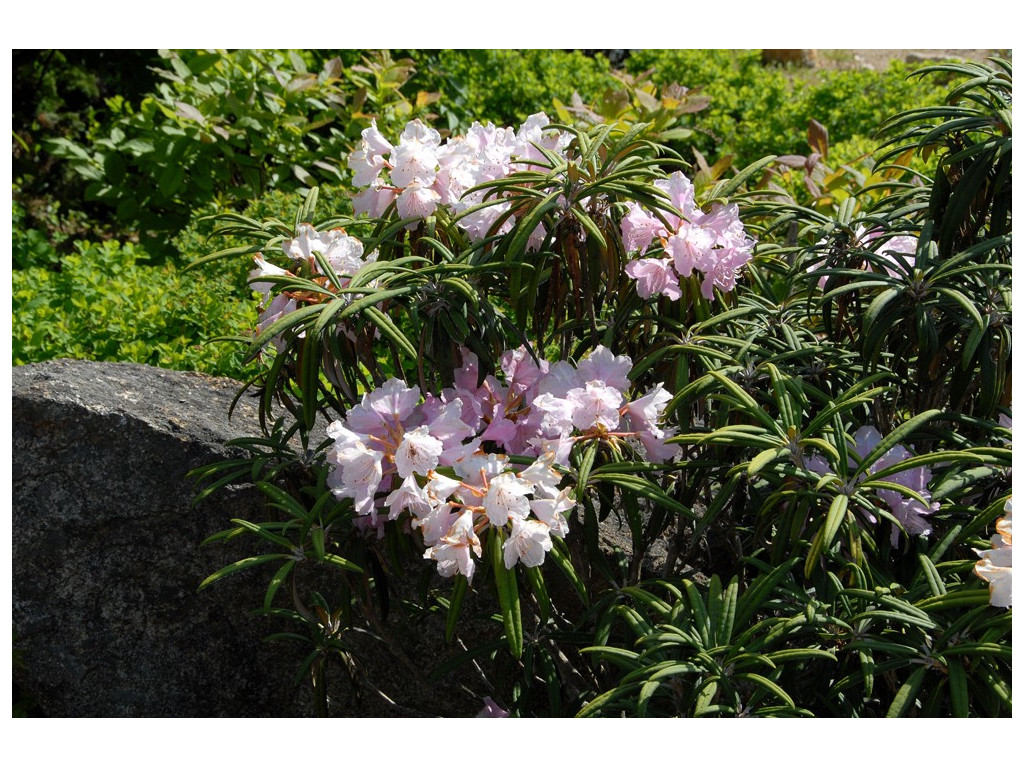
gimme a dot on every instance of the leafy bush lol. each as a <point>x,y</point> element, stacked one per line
<point>224,127</point>
<point>756,111</point>
<point>107,304</point>
<point>61,94</point>
<point>816,436</point>
<point>506,86</point>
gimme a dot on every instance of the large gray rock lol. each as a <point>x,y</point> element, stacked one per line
<point>107,561</point>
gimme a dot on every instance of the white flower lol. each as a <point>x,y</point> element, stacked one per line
<point>439,488</point>
<point>343,252</point>
<point>435,523</point>
<point>593,405</point>
<point>263,269</point>
<point>417,453</point>
<point>543,476</point>
<point>374,200</point>
<point>996,564</point>
<point>557,413</point>
<point>549,512</point>
<point>417,201</point>
<point>454,551</point>
<point>506,499</point>
<point>368,160</point>
<point>409,495</point>
<point>413,161</point>
<point>601,365</point>
<point>417,131</point>
<point>360,469</point>
<point>529,540</point>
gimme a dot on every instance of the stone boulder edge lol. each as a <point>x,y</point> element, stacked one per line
<point>106,560</point>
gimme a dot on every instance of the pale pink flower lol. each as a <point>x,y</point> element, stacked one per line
<point>532,134</point>
<point>434,523</point>
<point>417,201</point>
<point>601,365</point>
<point>594,405</point>
<point>654,277</point>
<point>409,495</point>
<point>279,306</point>
<point>264,269</point>
<point>444,421</point>
<point>549,512</point>
<point>360,469</point>
<point>543,476</point>
<point>557,413</point>
<point>416,131</point>
<point>440,488</point>
<point>690,248</point>
<point>454,551</point>
<point>306,242</point>
<point>393,402</point>
<point>910,512</point>
<point>521,369</point>
<point>528,542</point>
<point>418,452</point>
<point>365,167</point>
<point>645,412</point>
<point>639,228</point>
<point>344,253</point>
<point>368,160</point>
<point>411,162</point>
<point>374,200</point>
<point>680,193</point>
<point>506,499</point>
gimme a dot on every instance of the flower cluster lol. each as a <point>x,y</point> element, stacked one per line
<point>431,457</point>
<point>342,251</point>
<point>549,407</point>
<point>420,172</point>
<point>713,243</point>
<point>996,564</point>
<point>910,512</point>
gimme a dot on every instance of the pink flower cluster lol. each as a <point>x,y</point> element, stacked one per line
<point>713,243</point>
<point>910,512</point>
<point>420,172</point>
<point>342,251</point>
<point>398,453</point>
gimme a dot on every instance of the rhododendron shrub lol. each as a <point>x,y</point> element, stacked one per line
<point>560,375</point>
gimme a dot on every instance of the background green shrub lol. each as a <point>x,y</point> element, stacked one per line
<point>756,111</point>
<point>507,86</point>
<point>106,303</point>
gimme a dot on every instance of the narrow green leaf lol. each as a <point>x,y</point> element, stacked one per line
<point>240,565</point>
<point>275,583</point>
<point>905,696</point>
<point>455,606</point>
<point>508,595</point>
<point>826,534</point>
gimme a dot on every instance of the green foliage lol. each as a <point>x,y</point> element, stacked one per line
<point>106,303</point>
<point>756,111</point>
<point>507,86</point>
<point>793,584</point>
<point>763,570</point>
<point>224,127</point>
